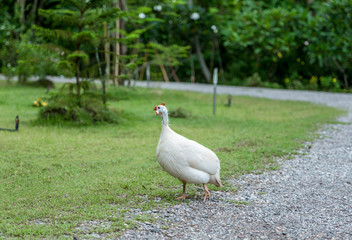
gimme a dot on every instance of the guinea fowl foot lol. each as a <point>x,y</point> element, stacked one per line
<point>207,193</point>
<point>184,196</point>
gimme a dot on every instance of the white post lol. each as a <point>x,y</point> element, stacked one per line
<point>148,74</point>
<point>215,82</point>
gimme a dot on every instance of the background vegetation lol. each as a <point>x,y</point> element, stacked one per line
<point>301,44</point>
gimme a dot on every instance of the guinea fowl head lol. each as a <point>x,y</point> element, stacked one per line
<point>161,110</point>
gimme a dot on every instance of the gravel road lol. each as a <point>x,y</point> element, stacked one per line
<point>308,198</point>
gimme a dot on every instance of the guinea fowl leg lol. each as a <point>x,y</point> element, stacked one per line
<point>184,195</point>
<point>207,193</point>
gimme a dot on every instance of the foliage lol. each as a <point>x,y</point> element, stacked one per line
<point>266,35</point>
<point>169,56</point>
<point>66,109</point>
<point>330,42</point>
<point>285,42</point>
<point>77,39</point>
<point>179,112</point>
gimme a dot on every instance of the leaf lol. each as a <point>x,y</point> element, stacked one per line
<point>143,9</point>
<point>257,50</point>
<point>85,37</point>
<point>53,34</point>
<point>60,16</point>
<point>78,55</point>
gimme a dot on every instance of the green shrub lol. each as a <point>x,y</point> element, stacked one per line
<point>179,113</point>
<point>253,81</point>
<point>85,110</point>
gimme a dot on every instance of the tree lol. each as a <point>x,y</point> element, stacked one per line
<point>330,40</point>
<point>78,39</point>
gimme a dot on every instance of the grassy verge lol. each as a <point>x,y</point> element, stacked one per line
<point>59,181</point>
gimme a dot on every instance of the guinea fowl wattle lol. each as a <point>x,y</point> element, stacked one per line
<point>184,159</point>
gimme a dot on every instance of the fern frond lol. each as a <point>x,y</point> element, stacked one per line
<point>112,13</point>
<point>76,3</point>
<point>78,55</point>
<point>168,55</point>
<point>66,68</point>
<point>53,48</point>
<point>60,16</point>
<point>53,34</point>
<point>85,37</point>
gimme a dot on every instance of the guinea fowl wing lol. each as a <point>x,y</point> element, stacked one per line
<point>200,157</point>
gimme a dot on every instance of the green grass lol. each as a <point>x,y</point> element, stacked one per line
<point>55,179</point>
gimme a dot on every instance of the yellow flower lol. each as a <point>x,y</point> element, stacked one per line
<point>298,59</point>
<point>287,80</point>
<point>44,104</point>
<point>313,79</point>
<point>302,62</point>
<point>39,99</point>
<point>334,80</point>
<point>279,54</point>
<point>36,104</point>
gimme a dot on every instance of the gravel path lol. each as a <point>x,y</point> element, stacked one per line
<point>308,198</point>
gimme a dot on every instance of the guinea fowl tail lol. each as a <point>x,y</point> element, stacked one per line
<point>217,181</point>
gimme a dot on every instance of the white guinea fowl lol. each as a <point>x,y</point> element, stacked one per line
<point>185,159</point>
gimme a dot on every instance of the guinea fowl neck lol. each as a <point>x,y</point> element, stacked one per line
<point>165,118</point>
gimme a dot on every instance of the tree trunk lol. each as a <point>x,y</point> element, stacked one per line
<point>34,10</point>
<point>107,52</point>
<point>122,47</point>
<point>163,71</point>
<point>220,61</point>
<point>190,4</point>
<point>212,59</point>
<point>193,75</point>
<point>117,54</point>
<point>203,65</point>
<point>174,75</point>
<point>78,83</point>
<point>117,48</point>
<point>345,78</point>
<point>343,71</point>
<point>22,6</point>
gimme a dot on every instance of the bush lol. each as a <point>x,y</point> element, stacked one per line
<point>179,113</point>
<point>84,110</point>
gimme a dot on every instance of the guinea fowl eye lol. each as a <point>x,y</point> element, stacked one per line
<point>158,107</point>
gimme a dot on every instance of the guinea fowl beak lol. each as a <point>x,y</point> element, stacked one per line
<point>156,111</point>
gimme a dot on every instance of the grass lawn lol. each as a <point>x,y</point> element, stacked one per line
<point>57,181</point>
